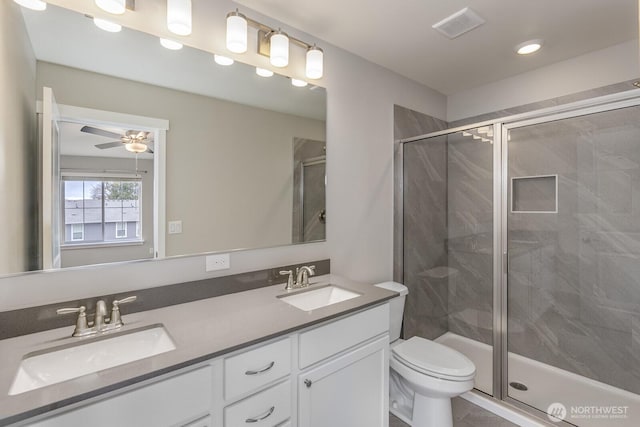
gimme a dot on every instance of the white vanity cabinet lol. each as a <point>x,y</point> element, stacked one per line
<point>350,388</point>
<point>333,374</point>
<point>181,400</point>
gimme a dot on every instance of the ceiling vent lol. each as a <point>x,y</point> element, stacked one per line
<point>459,23</point>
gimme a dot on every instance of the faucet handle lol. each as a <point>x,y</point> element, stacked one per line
<point>117,302</point>
<point>289,280</point>
<point>82,328</point>
<point>116,318</point>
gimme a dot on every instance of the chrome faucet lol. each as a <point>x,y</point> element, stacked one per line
<point>302,277</point>
<point>303,273</point>
<point>100,323</point>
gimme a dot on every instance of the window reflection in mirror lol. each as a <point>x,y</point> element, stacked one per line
<point>229,148</point>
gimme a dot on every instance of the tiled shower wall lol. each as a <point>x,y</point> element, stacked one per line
<point>420,223</point>
<point>574,275</point>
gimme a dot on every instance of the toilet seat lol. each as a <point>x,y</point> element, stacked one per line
<point>434,359</point>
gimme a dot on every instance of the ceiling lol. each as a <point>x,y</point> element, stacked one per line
<point>397,34</point>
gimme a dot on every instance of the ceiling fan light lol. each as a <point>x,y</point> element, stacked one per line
<point>315,63</point>
<point>136,147</point>
<point>171,44</point>
<point>117,7</point>
<point>263,72</point>
<point>32,4</point>
<point>108,26</point>
<point>179,20</point>
<point>236,32</point>
<point>279,50</point>
<point>222,60</point>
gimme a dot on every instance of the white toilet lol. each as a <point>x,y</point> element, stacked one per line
<point>424,374</point>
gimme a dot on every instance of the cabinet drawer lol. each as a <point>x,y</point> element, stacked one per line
<point>166,403</point>
<point>267,408</point>
<point>248,371</point>
<point>324,341</point>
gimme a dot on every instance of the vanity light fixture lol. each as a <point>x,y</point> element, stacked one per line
<point>315,62</point>
<point>273,43</point>
<point>32,4</point>
<point>179,19</point>
<point>298,83</point>
<point>279,48</point>
<point>263,72</point>
<point>528,47</point>
<point>116,7</point>
<point>236,32</point>
<point>109,26</point>
<point>222,60</point>
<point>171,44</point>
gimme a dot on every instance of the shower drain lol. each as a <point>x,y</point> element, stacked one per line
<point>519,386</point>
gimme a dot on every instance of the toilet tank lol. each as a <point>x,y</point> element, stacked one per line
<point>396,306</point>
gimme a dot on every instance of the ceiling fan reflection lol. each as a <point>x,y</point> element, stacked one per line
<point>133,140</point>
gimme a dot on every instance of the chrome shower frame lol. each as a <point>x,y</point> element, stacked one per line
<point>501,128</point>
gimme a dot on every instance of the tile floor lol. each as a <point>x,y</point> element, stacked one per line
<point>466,414</point>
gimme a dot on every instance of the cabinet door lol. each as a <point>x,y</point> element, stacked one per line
<point>350,391</point>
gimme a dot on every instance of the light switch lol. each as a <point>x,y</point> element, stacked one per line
<point>175,227</point>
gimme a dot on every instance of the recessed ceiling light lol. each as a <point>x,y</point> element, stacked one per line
<point>32,4</point>
<point>298,83</point>
<point>222,60</point>
<point>528,47</point>
<point>171,44</point>
<point>263,72</point>
<point>109,26</point>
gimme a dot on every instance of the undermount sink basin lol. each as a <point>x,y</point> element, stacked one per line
<point>319,297</point>
<point>63,363</point>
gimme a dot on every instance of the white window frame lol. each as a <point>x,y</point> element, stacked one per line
<point>73,232</point>
<point>124,228</point>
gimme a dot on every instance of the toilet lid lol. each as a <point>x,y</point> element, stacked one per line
<point>434,359</point>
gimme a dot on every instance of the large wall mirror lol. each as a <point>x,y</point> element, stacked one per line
<point>146,152</point>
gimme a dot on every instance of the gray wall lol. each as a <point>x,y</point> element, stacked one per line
<point>72,257</point>
<point>229,167</point>
<point>420,222</point>
<point>18,160</point>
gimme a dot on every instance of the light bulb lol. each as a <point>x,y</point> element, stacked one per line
<point>236,32</point>
<point>222,60</point>
<point>136,147</point>
<point>109,26</point>
<point>32,4</point>
<point>298,83</point>
<point>179,17</point>
<point>279,51</point>
<point>263,72</point>
<point>171,44</point>
<point>117,7</point>
<point>315,66</point>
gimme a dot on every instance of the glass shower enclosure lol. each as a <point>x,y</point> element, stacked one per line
<point>521,249</point>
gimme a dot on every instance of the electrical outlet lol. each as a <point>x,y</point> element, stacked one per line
<point>175,227</point>
<point>218,262</point>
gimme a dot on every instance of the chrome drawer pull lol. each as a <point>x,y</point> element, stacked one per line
<point>259,371</point>
<point>261,417</point>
